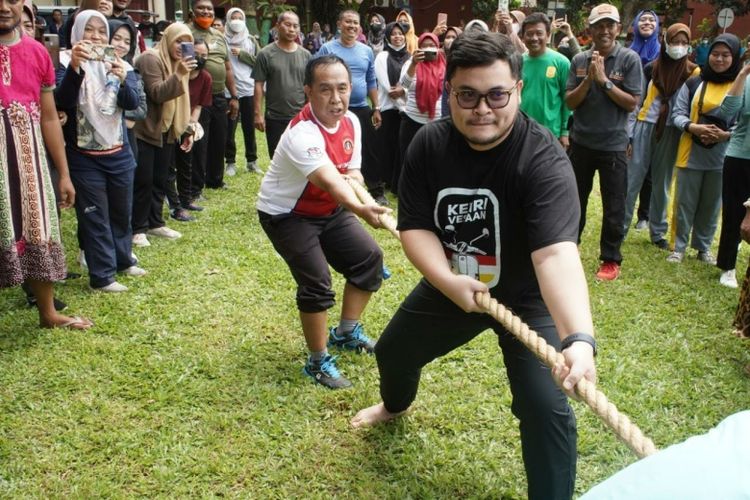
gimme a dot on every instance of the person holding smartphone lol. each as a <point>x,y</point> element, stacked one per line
<point>98,152</point>
<point>165,76</point>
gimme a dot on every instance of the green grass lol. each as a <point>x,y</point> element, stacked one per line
<point>191,383</point>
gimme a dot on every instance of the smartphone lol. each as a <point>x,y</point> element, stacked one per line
<point>188,50</point>
<point>502,5</point>
<point>52,44</point>
<point>109,54</point>
<point>442,19</point>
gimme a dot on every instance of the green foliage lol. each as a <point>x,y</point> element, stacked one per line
<point>485,9</point>
<point>270,9</point>
<point>191,383</point>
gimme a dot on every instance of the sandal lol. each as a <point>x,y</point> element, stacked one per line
<point>74,323</point>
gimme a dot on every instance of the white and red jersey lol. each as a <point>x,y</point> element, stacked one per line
<point>305,146</point>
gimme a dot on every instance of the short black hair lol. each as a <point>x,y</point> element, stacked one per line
<point>56,10</point>
<point>536,18</point>
<point>348,11</point>
<point>481,48</point>
<point>200,41</point>
<point>283,15</point>
<point>325,60</point>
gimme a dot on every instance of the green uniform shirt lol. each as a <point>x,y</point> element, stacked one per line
<point>543,95</point>
<point>218,55</point>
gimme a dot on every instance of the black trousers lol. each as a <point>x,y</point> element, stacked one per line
<point>644,197</point>
<point>216,141</point>
<point>406,133</point>
<point>150,185</point>
<point>734,192</point>
<point>370,158</point>
<point>390,154</point>
<point>428,325</point>
<point>198,159</point>
<point>310,244</point>
<point>274,129</point>
<point>247,119</point>
<point>613,184</point>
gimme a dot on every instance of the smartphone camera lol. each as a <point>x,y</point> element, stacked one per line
<point>188,50</point>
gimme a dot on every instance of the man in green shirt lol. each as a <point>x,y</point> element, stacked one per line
<point>209,156</point>
<point>545,74</point>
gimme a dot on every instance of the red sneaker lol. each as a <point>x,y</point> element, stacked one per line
<point>608,271</point>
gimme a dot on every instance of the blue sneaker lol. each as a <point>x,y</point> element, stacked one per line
<point>325,373</point>
<point>355,341</point>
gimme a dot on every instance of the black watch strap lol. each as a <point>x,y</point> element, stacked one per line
<point>578,337</point>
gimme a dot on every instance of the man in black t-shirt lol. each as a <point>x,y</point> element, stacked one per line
<point>489,203</point>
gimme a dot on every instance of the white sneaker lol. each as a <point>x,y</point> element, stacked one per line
<point>132,256</point>
<point>134,271</point>
<point>231,169</point>
<point>82,260</point>
<point>254,168</point>
<point>707,257</point>
<point>165,232</point>
<point>728,279</point>
<point>675,257</point>
<point>113,287</point>
<point>641,225</point>
<point>140,240</point>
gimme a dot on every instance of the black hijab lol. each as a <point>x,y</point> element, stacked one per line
<point>116,24</point>
<point>396,57</point>
<point>733,43</point>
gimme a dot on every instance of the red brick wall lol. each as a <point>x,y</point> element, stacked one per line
<point>740,26</point>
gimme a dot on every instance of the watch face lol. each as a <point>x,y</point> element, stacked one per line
<point>609,85</point>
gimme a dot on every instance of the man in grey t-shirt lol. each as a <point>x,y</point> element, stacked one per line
<point>279,74</point>
<point>604,86</point>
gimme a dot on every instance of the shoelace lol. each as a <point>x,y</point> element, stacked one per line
<point>328,366</point>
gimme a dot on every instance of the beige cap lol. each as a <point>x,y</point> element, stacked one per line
<point>604,11</point>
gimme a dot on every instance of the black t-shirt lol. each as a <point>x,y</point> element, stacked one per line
<point>491,209</point>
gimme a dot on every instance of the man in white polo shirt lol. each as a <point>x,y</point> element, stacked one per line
<point>306,208</point>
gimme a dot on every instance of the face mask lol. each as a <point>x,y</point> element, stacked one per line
<point>236,25</point>
<point>677,52</point>
<point>204,22</point>
<point>200,63</point>
<point>405,27</point>
<point>516,28</point>
<point>376,28</point>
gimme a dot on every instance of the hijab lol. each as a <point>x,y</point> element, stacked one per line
<point>476,25</point>
<point>375,40</point>
<point>116,24</point>
<point>175,113</point>
<point>668,75</point>
<point>647,48</point>
<point>709,75</point>
<point>106,129</point>
<point>235,38</point>
<point>411,39</point>
<point>397,56</point>
<point>430,76</point>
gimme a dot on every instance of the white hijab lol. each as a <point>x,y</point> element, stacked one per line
<point>236,38</point>
<point>107,129</point>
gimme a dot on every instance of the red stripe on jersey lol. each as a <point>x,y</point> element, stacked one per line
<point>340,148</point>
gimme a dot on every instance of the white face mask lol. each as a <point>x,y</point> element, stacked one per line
<point>677,52</point>
<point>236,25</point>
<point>516,28</point>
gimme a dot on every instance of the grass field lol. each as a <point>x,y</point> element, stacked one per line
<point>191,383</point>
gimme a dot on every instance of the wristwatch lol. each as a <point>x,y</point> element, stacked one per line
<point>608,85</point>
<point>234,97</point>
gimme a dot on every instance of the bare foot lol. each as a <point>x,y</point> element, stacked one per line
<point>70,322</point>
<point>373,415</point>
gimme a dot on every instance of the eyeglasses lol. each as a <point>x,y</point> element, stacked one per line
<point>495,98</point>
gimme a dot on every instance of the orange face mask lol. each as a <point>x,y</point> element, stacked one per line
<point>204,22</point>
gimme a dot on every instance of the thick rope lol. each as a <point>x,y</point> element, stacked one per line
<point>620,424</point>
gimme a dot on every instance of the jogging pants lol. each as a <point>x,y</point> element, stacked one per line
<point>371,170</point>
<point>696,208</point>
<point>274,130</point>
<point>246,119</point>
<point>428,325</point>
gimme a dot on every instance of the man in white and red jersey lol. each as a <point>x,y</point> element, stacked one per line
<point>305,207</point>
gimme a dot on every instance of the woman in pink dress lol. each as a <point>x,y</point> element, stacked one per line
<point>30,241</point>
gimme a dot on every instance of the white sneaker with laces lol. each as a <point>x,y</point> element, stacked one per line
<point>140,240</point>
<point>165,232</point>
<point>113,287</point>
<point>231,169</point>
<point>707,257</point>
<point>675,257</point>
<point>728,279</point>
<point>134,271</point>
<point>254,168</point>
